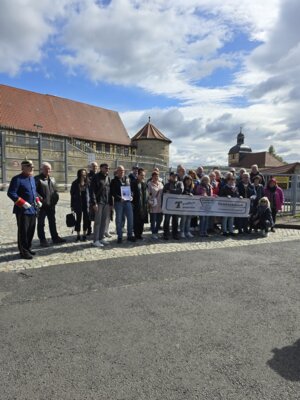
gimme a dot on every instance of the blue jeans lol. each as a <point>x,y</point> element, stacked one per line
<point>124,208</point>
<point>155,221</point>
<point>203,224</point>
<point>185,224</point>
<point>227,224</point>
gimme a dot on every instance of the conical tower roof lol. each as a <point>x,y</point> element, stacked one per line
<point>150,132</point>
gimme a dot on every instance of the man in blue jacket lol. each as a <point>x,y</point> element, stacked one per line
<point>22,191</point>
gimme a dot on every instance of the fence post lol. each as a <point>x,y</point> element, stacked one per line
<point>66,162</point>
<point>3,158</point>
<point>294,194</point>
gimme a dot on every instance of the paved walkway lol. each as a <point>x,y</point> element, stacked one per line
<point>72,252</point>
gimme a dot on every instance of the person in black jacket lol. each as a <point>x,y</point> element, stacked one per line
<point>139,203</point>
<point>246,191</point>
<point>46,188</point>
<point>99,201</point>
<point>80,200</point>
<point>229,190</point>
<point>175,187</point>
<point>254,173</point>
<point>263,217</point>
<point>93,169</point>
<point>119,188</point>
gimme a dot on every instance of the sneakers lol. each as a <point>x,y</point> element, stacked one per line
<point>154,236</point>
<point>31,252</point>
<point>98,244</point>
<point>58,240</point>
<point>131,239</point>
<point>104,242</point>
<point>189,235</point>
<point>44,243</point>
<point>182,235</point>
<point>108,235</point>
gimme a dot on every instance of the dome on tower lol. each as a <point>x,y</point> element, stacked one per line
<point>240,147</point>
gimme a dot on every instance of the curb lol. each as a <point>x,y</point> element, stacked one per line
<point>287,226</point>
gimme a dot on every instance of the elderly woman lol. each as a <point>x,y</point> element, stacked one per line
<point>155,189</point>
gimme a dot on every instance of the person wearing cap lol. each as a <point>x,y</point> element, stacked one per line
<point>22,191</point>
<point>174,187</point>
<point>47,190</point>
<point>276,197</point>
<point>99,201</point>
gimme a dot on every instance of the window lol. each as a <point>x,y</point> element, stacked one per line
<point>126,151</point>
<point>20,139</point>
<point>107,148</point>
<point>99,147</point>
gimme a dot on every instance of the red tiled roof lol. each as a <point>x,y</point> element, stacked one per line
<point>21,109</point>
<point>149,131</point>
<point>262,159</point>
<point>283,169</point>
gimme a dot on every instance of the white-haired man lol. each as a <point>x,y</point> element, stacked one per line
<point>46,188</point>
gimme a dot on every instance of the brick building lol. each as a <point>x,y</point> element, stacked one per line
<point>69,135</point>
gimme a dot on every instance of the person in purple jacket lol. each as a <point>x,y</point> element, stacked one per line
<point>276,197</point>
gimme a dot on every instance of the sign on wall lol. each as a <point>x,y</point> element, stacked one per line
<point>91,158</point>
<point>202,205</point>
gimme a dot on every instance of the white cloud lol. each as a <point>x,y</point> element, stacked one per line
<point>167,47</point>
<point>25,26</point>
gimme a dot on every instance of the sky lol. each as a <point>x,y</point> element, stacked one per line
<point>202,69</point>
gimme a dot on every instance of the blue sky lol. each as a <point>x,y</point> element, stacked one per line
<point>201,69</point>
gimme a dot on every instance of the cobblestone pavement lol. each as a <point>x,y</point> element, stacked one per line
<point>71,252</point>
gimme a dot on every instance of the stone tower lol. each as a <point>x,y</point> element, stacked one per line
<point>150,142</point>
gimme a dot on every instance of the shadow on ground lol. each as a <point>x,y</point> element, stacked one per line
<point>286,361</point>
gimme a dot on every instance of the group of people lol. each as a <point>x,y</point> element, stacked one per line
<point>134,199</point>
<point>97,199</point>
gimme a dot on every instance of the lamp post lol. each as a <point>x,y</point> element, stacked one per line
<point>40,149</point>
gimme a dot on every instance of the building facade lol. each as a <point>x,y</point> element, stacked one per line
<point>66,133</point>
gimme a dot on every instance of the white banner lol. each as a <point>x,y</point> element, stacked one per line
<point>202,205</point>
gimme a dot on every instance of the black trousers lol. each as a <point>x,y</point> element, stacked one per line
<point>274,213</point>
<point>48,212</point>
<point>138,224</point>
<point>86,220</point>
<point>174,225</point>
<point>26,228</point>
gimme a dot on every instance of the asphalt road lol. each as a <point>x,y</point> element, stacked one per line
<point>220,324</point>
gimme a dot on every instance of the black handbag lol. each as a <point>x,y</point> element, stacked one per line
<point>70,220</point>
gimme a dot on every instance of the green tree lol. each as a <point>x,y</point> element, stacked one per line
<point>273,152</point>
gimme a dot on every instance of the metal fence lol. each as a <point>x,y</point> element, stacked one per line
<point>64,157</point>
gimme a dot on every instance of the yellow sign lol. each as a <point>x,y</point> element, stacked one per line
<point>283,181</point>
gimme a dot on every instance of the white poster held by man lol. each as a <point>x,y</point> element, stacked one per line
<point>202,205</point>
<point>126,193</point>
